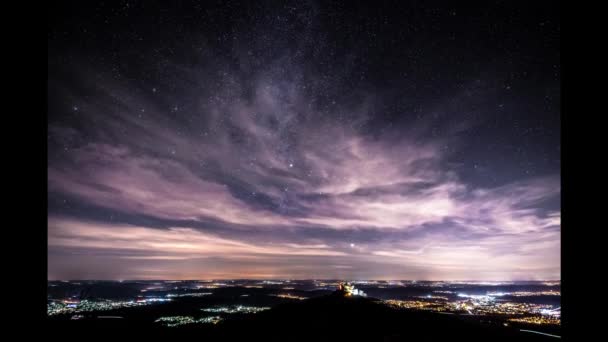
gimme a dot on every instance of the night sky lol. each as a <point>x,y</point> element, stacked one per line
<point>193,140</point>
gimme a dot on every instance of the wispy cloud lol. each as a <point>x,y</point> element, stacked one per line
<point>272,159</point>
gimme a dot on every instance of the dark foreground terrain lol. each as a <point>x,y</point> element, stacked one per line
<point>325,318</point>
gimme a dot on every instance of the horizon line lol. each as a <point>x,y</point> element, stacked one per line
<point>322,279</point>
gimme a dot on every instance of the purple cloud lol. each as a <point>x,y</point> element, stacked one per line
<point>272,161</point>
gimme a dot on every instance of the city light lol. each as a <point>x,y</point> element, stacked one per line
<point>191,294</point>
<point>482,305</point>
<point>68,307</point>
<point>174,321</point>
<point>236,309</point>
<point>288,296</point>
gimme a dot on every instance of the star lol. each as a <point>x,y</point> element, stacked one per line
<point>393,169</point>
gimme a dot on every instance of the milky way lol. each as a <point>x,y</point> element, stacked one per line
<point>303,141</point>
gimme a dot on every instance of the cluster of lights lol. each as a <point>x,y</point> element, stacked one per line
<point>481,298</point>
<point>364,282</point>
<point>537,320</point>
<point>326,285</point>
<point>65,307</point>
<point>153,300</point>
<point>237,309</point>
<point>415,304</point>
<point>190,294</point>
<point>525,293</point>
<point>482,283</point>
<point>491,296</point>
<point>434,297</point>
<point>270,282</point>
<point>213,285</point>
<point>289,296</point>
<point>501,308</point>
<point>551,283</point>
<point>174,321</point>
<point>551,312</point>
<point>484,305</point>
<point>152,288</point>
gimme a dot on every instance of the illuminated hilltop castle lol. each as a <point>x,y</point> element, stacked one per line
<point>349,290</point>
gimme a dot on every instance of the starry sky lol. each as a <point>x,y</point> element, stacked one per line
<point>302,139</point>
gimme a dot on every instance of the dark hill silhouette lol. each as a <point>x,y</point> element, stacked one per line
<point>335,317</point>
<point>325,318</point>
